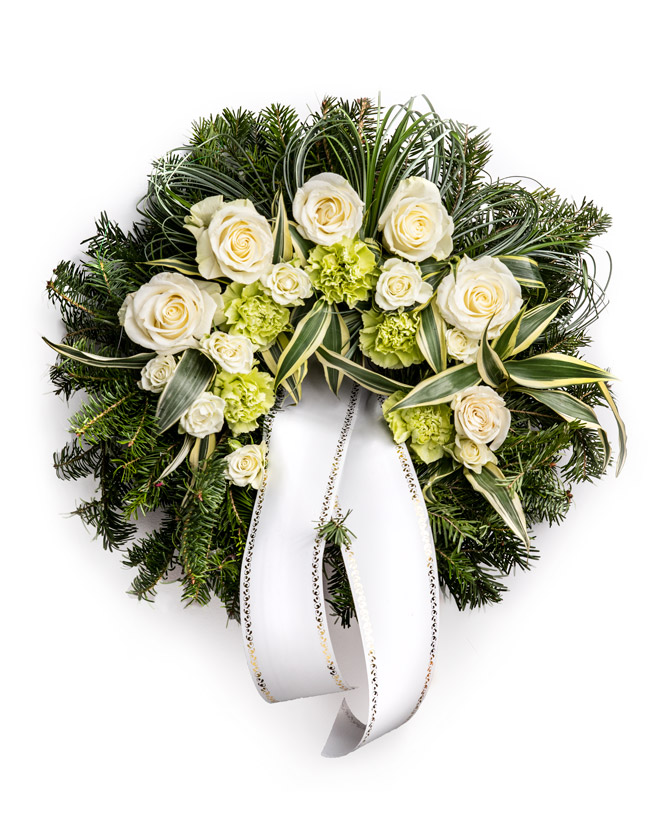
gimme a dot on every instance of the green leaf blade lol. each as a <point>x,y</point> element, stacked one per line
<point>192,375</point>
<point>441,388</point>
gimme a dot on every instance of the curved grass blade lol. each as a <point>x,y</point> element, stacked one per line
<point>372,381</point>
<point>179,458</point>
<point>90,359</point>
<point>491,484</point>
<point>441,388</point>
<point>554,370</point>
<point>431,337</point>
<point>623,436</point>
<point>306,339</point>
<point>192,375</point>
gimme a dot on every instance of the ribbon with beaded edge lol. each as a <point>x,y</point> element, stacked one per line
<point>325,455</point>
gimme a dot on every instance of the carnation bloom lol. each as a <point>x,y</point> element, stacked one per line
<point>246,397</point>
<point>389,338</point>
<point>251,312</point>
<point>343,272</point>
<point>428,429</point>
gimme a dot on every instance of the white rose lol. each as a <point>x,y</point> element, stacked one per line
<point>460,347</point>
<point>401,285</point>
<point>287,285</point>
<point>482,290</point>
<point>481,415</point>
<point>204,417</point>
<point>327,208</point>
<point>246,465</point>
<point>415,223</point>
<point>168,314</point>
<point>234,353</point>
<point>232,239</point>
<point>472,454</point>
<point>156,374</point>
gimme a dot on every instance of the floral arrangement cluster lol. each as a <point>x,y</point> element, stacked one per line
<point>375,243</point>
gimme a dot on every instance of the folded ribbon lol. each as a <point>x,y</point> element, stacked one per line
<point>324,453</point>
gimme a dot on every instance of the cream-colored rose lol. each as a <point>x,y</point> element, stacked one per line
<point>327,208</point>
<point>401,285</point>
<point>233,353</point>
<point>481,415</point>
<point>472,454</point>
<point>460,347</point>
<point>246,465</point>
<point>482,290</point>
<point>204,417</point>
<point>287,284</point>
<point>415,223</point>
<point>170,313</point>
<point>156,374</point>
<point>232,239</point>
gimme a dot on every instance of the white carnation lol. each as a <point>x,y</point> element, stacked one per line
<point>460,347</point>
<point>327,208</point>
<point>415,223</point>
<point>246,465</point>
<point>401,285</point>
<point>156,374</point>
<point>481,415</point>
<point>168,314</point>
<point>233,353</point>
<point>481,291</point>
<point>287,284</point>
<point>204,417</point>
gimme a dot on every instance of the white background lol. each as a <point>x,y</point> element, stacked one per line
<point>546,711</point>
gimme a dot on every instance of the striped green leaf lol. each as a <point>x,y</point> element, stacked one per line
<point>623,436</point>
<point>271,357</point>
<point>554,370</point>
<point>490,366</point>
<point>306,339</point>
<point>431,337</point>
<point>192,375</point>
<point>372,381</point>
<point>505,341</point>
<point>533,324</point>
<point>336,339</point>
<point>283,245</point>
<point>90,359</point>
<point>491,483</point>
<point>202,450</point>
<point>444,468</point>
<point>564,405</point>
<point>172,264</point>
<point>441,388</point>
<point>301,246</point>
<point>526,272</point>
<point>178,459</point>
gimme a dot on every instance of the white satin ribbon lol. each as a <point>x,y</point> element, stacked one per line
<point>324,455</point>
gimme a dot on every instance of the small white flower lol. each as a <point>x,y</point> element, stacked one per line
<point>415,223</point>
<point>327,208</point>
<point>246,465</point>
<point>472,454</point>
<point>460,347</point>
<point>287,284</point>
<point>481,415</point>
<point>233,353</point>
<point>482,290</point>
<point>156,374</point>
<point>204,417</point>
<point>232,239</point>
<point>401,285</point>
<point>169,313</point>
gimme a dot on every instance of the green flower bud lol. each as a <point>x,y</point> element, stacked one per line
<point>389,338</point>
<point>343,272</point>
<point>427,429</point>
<point>250,311</point>
<point>247,398</point>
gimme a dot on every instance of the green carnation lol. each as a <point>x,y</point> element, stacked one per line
<point>246,398</point>
<point>427,429</point>
<point>389,338</point>
<point>250,311</point>
<point>345,271</point>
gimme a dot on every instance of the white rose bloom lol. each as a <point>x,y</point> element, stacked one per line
<point>234,353</point>
<point>482,290</point>
<point>156,374</point>
<point>232,239</point>
<point>204,417</point>
<point>401,285</point>
<point>168,314</point>
<point>460,347</point>
<point>481,415</point>
<point>415,223</point>
<point>287,285</point>
<point>327,208</point>
<point>472,454</point>
<point>246,465</point>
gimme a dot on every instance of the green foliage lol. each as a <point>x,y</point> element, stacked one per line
<point>239,154</point>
